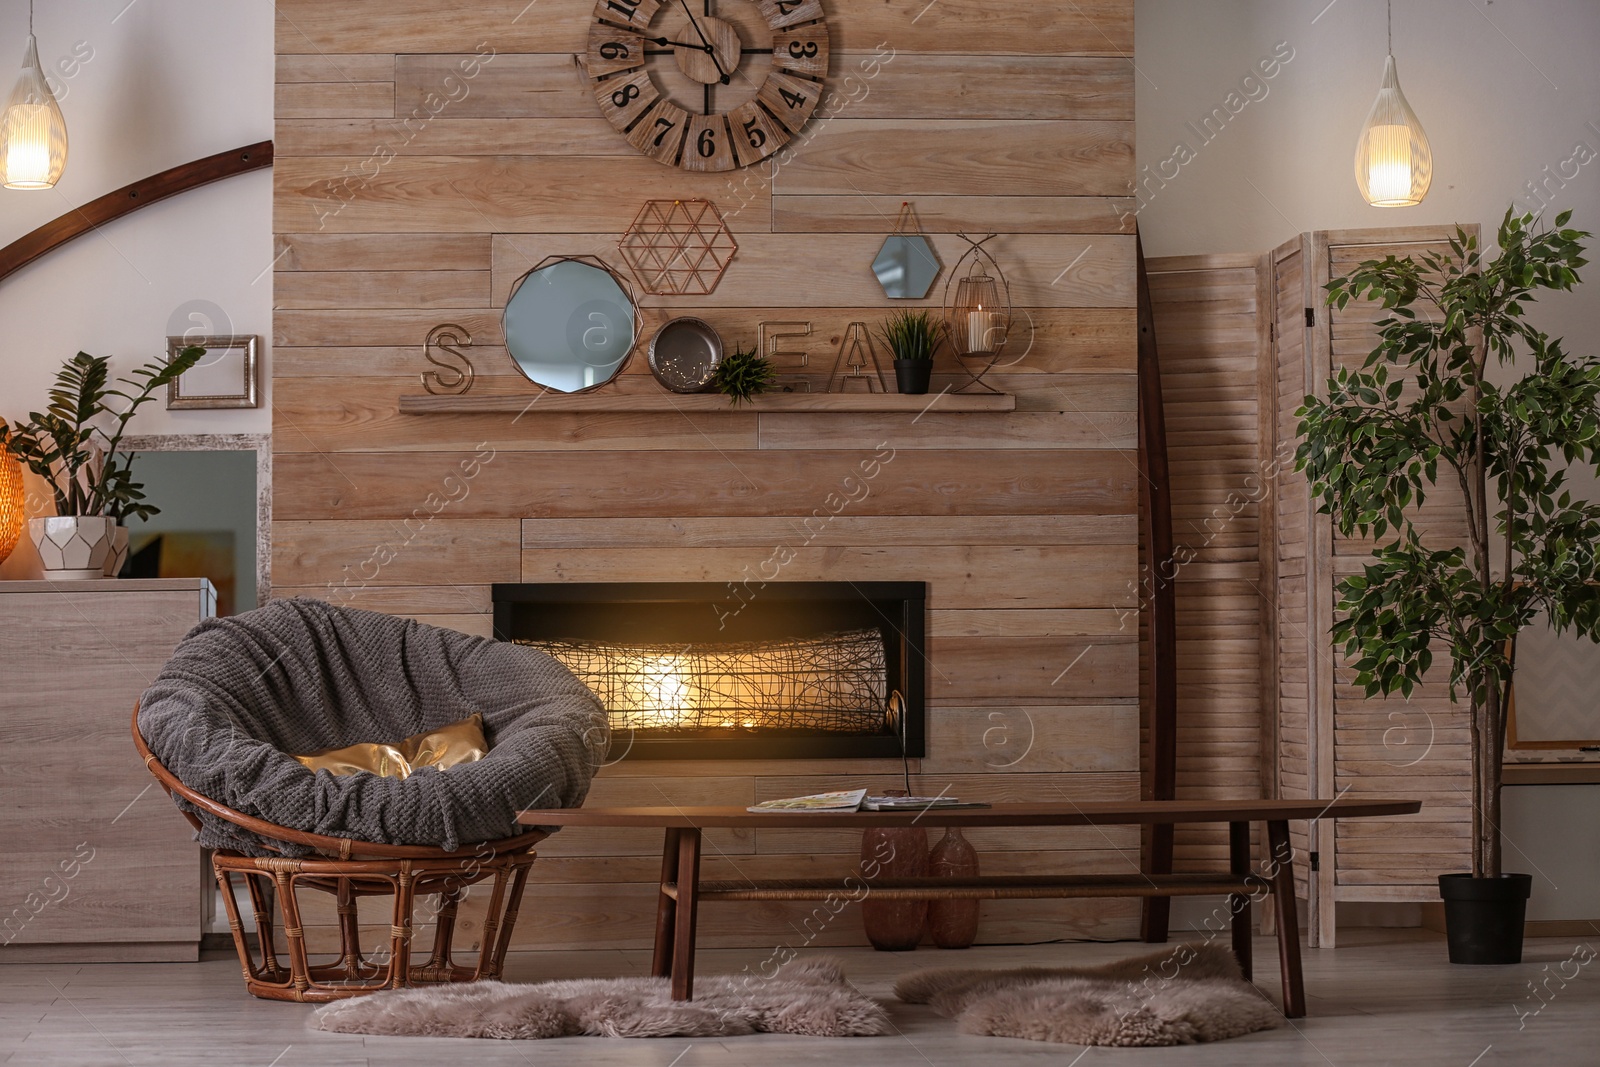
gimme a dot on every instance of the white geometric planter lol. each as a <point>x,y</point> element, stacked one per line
<point>73,547</point>
<point>119,552</point>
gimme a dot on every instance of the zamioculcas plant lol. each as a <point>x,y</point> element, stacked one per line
<point>1463,390</point>
<point>74,443</point>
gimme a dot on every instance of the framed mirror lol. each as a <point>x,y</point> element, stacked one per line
<point>907,266</point>
<point>215,495</point>
<point>571,323</point>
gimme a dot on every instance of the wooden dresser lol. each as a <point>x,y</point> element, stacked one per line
<point>96,865</point>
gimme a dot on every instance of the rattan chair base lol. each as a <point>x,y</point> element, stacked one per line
<point>274,887</point>
<point>348,870</point>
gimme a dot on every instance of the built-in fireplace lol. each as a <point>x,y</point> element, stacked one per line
<point>689,670</point>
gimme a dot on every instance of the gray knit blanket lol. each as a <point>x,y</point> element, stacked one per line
<point>240,695</point>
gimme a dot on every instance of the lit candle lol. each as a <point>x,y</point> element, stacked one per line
<point>977,330</point>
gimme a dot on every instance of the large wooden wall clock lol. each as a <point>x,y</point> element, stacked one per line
<point>708,85</point>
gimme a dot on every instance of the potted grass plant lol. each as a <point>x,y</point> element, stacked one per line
<point>913,337</point>
<point>1432,405</point>
<point>74,445</point>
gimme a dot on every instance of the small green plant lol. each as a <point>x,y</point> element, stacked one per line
<point>69,445</point>
<point>910,335</point>
<point>744,375</point>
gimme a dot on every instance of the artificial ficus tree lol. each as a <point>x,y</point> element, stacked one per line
<point>1423,408</point>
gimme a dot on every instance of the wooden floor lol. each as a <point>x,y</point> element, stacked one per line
<point>1381,998</point>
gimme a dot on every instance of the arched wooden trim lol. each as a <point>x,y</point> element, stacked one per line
<point>130,198</point>
<point>1158,596</point>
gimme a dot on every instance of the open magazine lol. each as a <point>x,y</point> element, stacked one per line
<point>857,800</point>
<point>847,800</point>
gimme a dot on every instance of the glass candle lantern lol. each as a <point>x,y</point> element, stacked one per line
<point>977,313</point>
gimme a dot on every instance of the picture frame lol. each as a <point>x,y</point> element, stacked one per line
<point>229,376</point>
<point>1552,708</point>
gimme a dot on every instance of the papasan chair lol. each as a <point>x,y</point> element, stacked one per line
<point>242,697</point>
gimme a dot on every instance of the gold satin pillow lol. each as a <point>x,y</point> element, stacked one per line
<point>460,742</point>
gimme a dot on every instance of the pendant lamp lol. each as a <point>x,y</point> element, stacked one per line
<point>33,135</point>
<point>1394,164</point>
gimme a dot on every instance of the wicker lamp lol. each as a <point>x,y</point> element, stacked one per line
<point>1394,163</point>
<point>12,503</point>
<point>33,134</point>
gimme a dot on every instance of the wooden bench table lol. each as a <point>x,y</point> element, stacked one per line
<point>682,891</point>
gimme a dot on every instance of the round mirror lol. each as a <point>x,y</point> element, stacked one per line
<point>570,325</point>
<point>906,266</point>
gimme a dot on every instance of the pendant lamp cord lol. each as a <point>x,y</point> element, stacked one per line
<point>1391,25</point>
<point>30,18</point>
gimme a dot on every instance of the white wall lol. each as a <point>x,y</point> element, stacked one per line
<point>1549,834</point>
<point>1503,88</point>
<point>169,81</point>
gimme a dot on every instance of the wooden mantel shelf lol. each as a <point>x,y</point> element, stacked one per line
<point>699,402</point>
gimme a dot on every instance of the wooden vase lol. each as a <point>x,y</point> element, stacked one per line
<point>893,852</point>
<point>953,923</point>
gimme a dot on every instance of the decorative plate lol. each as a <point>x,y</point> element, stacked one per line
<point>684,355</point>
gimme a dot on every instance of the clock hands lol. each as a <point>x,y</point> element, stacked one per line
<point>677,44</point>
<point>727,79</point>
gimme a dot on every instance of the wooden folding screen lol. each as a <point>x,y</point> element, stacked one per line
<point>1264,703</point>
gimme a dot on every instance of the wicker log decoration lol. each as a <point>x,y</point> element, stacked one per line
<point>833,683</point>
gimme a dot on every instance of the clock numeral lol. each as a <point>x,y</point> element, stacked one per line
<point>707,144</point>
<point>754,134</point>
<point>781,14</point>
<point>625,94</point>
<point>758,136</point>
<point>799,51</point>
<point>788,99</point>
<point>614,50</point>
<point>659,133</point>
<point>630,8</point>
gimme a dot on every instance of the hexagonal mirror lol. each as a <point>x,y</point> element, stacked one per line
<point>906,266</point>
<point>570,325</point>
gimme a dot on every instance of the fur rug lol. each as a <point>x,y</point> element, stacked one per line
<point>1182,995</point>
<point>808,997</point>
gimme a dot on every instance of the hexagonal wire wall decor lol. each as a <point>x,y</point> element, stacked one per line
<point>571,323</point>
<point>907,265</point>
<point>678,247</point>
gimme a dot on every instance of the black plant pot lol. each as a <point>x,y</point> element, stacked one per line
<point>912,375</point>
<point>1483,917</point>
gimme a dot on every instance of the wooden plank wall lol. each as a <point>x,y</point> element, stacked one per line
<point>395,214</point>
<point>1212,333</point>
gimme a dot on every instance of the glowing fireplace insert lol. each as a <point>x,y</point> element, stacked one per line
<point>789,670</point>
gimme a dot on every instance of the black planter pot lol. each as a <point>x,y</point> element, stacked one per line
<point>912,375</point>
<point>1483,917</point>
